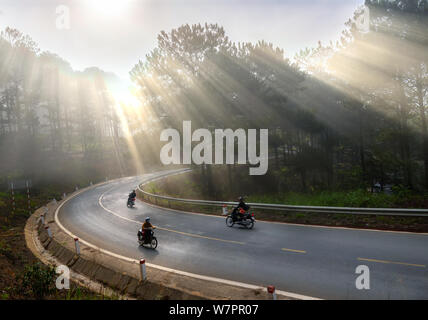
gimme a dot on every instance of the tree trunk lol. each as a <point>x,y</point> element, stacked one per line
<point>419,88</point>
<point>361,147</point>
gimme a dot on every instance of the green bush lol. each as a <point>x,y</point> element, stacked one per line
<point>4,296</point>
<point>38,280</point>
<point>6,251</point>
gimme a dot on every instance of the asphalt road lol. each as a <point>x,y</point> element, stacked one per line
<point>309,260</point>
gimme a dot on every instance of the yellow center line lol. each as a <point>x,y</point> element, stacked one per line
<point>199,236</point>
<point>160,228</point>
<point>392,262</point>
<point>293,250</point>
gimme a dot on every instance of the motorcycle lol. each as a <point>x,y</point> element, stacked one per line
<point>130,203</point>
<point>144,239</point>
<point>243,218</point>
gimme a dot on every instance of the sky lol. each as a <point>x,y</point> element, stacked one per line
<point>114,34</point>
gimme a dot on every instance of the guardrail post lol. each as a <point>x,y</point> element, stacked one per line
<point>225,212</point>
<point>271,290</point>
<point>76,243</point>
<point>49,231</point>
<point>143,269</point>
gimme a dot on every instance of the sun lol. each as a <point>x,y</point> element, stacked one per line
<point>125,96</point>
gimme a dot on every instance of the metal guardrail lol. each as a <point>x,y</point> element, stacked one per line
<point>282,207</point>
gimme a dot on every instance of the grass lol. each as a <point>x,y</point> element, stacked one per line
<point>355,198</point>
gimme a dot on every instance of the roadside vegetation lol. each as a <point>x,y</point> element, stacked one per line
<point>191,185</point>
<point>22,276</point>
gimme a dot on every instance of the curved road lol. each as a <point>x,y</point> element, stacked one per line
<point>308,260</point>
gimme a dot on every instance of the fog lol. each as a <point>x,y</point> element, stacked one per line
<point>341,115</point>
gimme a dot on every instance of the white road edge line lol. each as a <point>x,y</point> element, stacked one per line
<point>184,273</point>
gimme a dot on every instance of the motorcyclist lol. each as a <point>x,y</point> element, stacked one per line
<point>147,228</point>
<point>242,206</point>
<point>131,196</point>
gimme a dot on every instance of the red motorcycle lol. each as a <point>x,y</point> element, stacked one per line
<point>243,218</point>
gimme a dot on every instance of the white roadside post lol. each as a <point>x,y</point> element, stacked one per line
<point>64,195</point>
<point>76,242</point>
<point>271,290</point>
<point>49,231</point>
<point>43,215</point>
<point>54,200</point>
<point>90,183</point>
<point>143,269</point>
<point>77,188</point>
<point>225,212</point>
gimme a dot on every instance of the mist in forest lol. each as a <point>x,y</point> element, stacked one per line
<point>346,114</point>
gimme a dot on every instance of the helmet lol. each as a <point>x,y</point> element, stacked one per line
<point>241,198</point>
<point>147,219</point>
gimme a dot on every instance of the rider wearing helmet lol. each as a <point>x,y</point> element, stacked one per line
<point>242,207</point>
<point>147,227</point>
<point>132,195</point>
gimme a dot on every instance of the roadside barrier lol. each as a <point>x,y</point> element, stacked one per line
<point>225,211</point>
<point>143,269</point>
<point>76,243</point>
<point>43,215</point>
<point>271,291</point>
<point>49,231</point>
